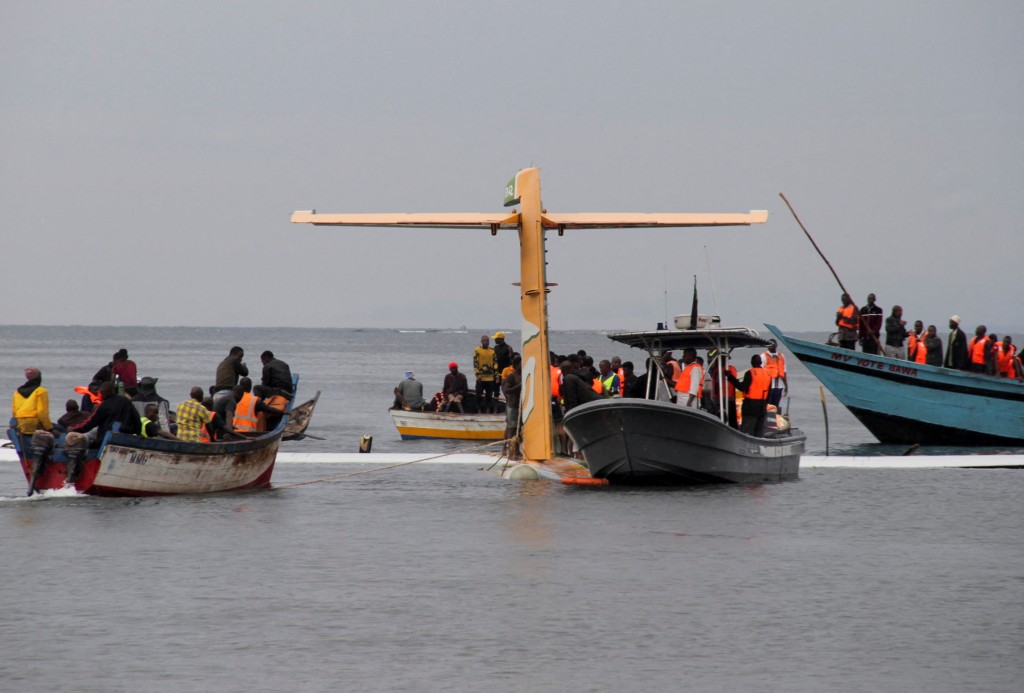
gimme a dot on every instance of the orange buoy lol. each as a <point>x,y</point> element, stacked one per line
<point>583,481</point>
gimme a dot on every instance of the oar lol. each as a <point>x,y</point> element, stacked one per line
<point>824,410</point>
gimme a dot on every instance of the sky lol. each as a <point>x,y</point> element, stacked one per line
<point>153,152</point>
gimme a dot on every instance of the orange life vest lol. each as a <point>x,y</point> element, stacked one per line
<point>760,382</point>
<point>977,350</point>
<point>775,364</point>
<point>846,317</point>
<point>1005,359</point>
<point>683,381</point>
<point>556,382</point>
<point>922,351</point>
<point>245,414</point>
<point>93,396</point>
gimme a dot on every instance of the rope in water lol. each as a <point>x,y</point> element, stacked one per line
<point>385,468</point>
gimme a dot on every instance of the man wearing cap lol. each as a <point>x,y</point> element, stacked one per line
<point>775,364</point>
<point>31,404</point>
<point>409,394</point>
<point>503,355</point>
<point>455,388</point>
<point>485,368</point>
<point>956,346</point>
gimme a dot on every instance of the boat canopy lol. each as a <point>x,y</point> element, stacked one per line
<point>706,338</point>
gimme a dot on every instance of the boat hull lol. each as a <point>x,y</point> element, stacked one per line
<point>913,403</point>
<point>636,441</point>
<point>412,425</point>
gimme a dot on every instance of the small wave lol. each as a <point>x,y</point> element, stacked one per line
<point>47,494</point>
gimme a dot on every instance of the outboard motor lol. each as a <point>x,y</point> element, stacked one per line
<point>75,445</point>
<point>42,450</point>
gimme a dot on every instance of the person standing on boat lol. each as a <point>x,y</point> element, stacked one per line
<point>229,372</point>
<point>754,386</point>
<point>870,326</point>
<point>979,351</point>
<point>690,383</point>
<point>1006,351</point>
<point>956,346</point>
<point>932,347</point>
<point>276,373</point>
<point>847,319</point>
<point>775,364</point>
<point>454,389</point>
<point>915,343</point>
<point>611,386</point>
<point>30,405</point>
<point>409,394</point>
<point>896,334</point>
<point>503,354</point>
<point>512,388</point>
<point>192,417</point>
<point>485,368</point>
<point>730,390</point>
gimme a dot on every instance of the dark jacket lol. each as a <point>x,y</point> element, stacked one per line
<point>576,391</point>
<point>278,375</point>
<point>933,350</point>
<point>116,409</point>
<point>229,371</point>
<point>956,354</point>
<point>895,332</point>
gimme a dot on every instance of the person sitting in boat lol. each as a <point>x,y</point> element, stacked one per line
<point>113,409</point>
<point>690,383</point>
<point>409,394</point>
<point>192,417</point>
<point>149,423</point>
<point>126,372</point>
<point>754,386</point>
<point>30,405</point>
<point>454,389</point>
<point>90,396</point>
<point>73,415</point>
<point>609,380</point>
<point>276,373</point>
<point>147,392</point>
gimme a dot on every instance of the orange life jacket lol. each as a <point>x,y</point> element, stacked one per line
<point>846,317</point>
<point>977,350</point>
<point>1005,359</point>
<point>556,381</point>
<point>922,351</point>
<point>683,381</point>
<point>775,364</point>
<point>245,414</point>
<point>93,396</point>
<point>760,382</point>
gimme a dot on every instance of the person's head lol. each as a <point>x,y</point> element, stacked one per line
<point>587,361</point>
<point>517,362</point>
<point>979,331</point>
<point>871,299</point>
<point>499,337</point>
<point>931,330</point>
<point>755,361</point>
<point>237,351</point>
<point>845,299</point>
<point>574,360</point>
<point>581,353</point>
<point>918,326</point>
<point>554,358</point>
<point>627,368</point>
<point>107,389</point>
<point>122,354</point>
<point>897,311</point>
<point>566,367</point>
<point>245,383</point>
<point>616,362</point>
<point>1007,340</point>
<point>267,356</point>
<point>71,406</point>
<point>196,394</point>
<point>689,355</point>
<point>699,360</point>
<point>94,386</point>
<point>605,366</point>
<point>147,384</point>
<point>954,322</point>
<point>238,392</point>
<point>151,411</point>
<point>772,345</point>
<point>485,341</point>
<point>33,373</point>
<point>453,367</point>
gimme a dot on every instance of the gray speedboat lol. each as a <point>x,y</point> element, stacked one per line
<point>645,441</point>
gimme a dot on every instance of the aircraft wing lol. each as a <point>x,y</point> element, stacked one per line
<point>617,220</point>
<point>428,220</point>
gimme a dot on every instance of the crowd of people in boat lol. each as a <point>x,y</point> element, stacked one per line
<point>231,407</point>
<point>983,353</point>
<point>575,380</point>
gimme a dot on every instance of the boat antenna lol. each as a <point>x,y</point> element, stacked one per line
<point>808,234</point>
<point>711,278</point>
<point>693,308</point>
<point>665,269</point>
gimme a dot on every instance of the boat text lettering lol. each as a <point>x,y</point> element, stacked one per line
<point>138,458</point>
<point>878,365</point>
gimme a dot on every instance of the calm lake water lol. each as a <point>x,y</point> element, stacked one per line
<point>437,577</point>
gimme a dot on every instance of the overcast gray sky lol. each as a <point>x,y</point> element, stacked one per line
<point>153,152</point>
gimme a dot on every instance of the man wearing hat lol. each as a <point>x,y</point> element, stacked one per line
<point>147,391</point>
<point>409,394</point>
<point>956,346</point>
<point>775,364</point>
<point>455,388</point>
<point>503,354</point>
<point>31,404</point>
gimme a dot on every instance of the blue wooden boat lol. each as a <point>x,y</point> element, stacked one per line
<point>907,402</point>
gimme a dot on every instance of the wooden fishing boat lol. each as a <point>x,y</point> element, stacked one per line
<point>299,418</point>
<point>644,441</point>
<point>431,424</point>
<point>129,465</point>
<point>906,402</point>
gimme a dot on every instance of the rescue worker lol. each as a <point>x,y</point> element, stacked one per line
<point>150,423</point>
<point>485,368</point>
<point>754,386</point>
<point>250,408</point>
<point>979,352</point>
<point>30,404</point>
<point>609,381</point>
<point>690,384</point>
<point>847,320</point>
<point>503,354</point>
<point>775,364</point>
<point>916,350</point>
<point>730,393</point>
<point>1007,351</point>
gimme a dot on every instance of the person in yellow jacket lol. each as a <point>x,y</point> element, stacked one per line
<point>485,367</point>
<point>31,404</point>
